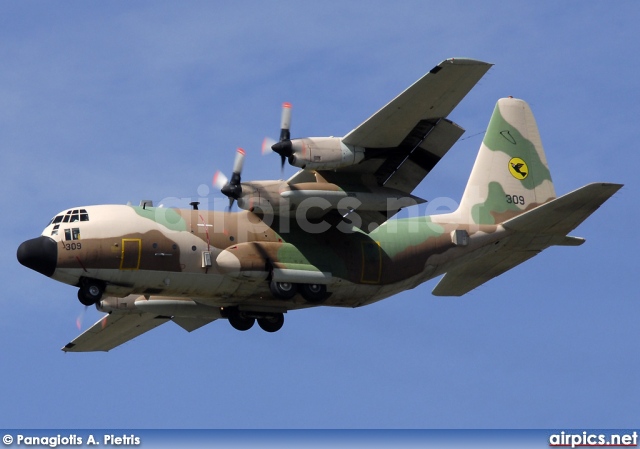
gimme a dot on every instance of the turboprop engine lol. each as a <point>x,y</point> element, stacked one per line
<point>319,153</point>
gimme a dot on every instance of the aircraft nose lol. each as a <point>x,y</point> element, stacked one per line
<point>39,254</point>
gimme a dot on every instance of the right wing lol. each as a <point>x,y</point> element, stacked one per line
<point>405,139</point>
<point>432,97</point>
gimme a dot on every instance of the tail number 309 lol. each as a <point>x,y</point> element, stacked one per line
<point>515,199</point>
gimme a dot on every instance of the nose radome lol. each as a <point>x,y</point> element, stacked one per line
<point>39,254</point>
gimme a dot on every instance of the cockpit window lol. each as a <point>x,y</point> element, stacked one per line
<point>71,216</point>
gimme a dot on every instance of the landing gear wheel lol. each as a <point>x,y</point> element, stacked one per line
<point>240,321</point>
<point>271,323</point>
<point>84,300</point>
<point>314,293</point>
<point>90,292</point>
<point>283,290</point>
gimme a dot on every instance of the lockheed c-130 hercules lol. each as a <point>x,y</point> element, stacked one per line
<point>322,237</point>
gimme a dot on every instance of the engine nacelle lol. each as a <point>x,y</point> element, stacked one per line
<point>324,153</point>
<point>111,304</point>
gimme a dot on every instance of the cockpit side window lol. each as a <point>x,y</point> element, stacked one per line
<point>72,234</point>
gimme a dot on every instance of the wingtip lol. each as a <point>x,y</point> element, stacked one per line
<point>465,61</point>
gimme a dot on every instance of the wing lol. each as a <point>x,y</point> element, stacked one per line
<point>432,97</point>
<point>113,330</point>
<point>405,139</point>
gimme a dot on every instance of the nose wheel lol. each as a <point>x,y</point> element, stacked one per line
<point>90,292</point>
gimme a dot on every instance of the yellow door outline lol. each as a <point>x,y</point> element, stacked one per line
<point>129,260</point>
<point>370,261</point>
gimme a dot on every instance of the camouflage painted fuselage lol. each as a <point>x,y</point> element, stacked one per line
<point>159,251</point>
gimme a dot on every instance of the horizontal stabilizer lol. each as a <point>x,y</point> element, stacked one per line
<point>465,278</point>
<point>563,214</point>
<point>535,230</point>
<point>113,330</point>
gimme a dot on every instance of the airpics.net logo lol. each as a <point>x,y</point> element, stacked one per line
<point>312,214</point>
<point>587,439</point>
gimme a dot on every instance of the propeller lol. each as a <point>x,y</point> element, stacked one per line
<point>284,147</point>
<point>267,143</point>
<point>231,188</point>
<point>80,318</point>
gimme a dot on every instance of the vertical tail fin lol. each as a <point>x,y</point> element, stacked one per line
<point>510,174</point>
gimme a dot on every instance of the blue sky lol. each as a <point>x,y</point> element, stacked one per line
<point>110,102</point>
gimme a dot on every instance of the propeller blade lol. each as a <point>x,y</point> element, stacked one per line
<point>285,122</point>
<point>237,164</point>
<point>219,180</point>
<point>80,318</point>
<point>232,188</point>
<point>267,142</point>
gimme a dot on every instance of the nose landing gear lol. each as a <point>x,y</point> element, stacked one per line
<point>90,291</point>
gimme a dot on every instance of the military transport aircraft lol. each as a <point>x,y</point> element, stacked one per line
<point>323,236</point>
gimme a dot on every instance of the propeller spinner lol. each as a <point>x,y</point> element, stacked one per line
<point>231,188</point>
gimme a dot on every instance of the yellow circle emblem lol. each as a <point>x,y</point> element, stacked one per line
<point>518,168</point>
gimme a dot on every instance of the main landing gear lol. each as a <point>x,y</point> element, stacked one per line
<point>313,293</point>
<point>90,291</point>
<point>243,321</point>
